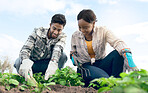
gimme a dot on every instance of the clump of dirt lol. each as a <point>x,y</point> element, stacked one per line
<point>13,90</point>
<point>54,89</point>
<point>73,89</point>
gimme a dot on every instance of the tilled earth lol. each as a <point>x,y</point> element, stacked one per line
<point>54,89</point>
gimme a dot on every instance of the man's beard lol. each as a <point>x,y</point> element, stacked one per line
<point>53,35</point>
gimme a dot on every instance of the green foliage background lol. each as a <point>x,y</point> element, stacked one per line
<point>132,82</point>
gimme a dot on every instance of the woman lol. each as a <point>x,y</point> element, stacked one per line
<point>88,50</point>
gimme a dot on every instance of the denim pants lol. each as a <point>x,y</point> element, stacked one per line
<point>41,65</point>
<point>111,65</point>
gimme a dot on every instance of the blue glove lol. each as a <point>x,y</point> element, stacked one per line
<point>129,59</point>
<point>72,59</point>
<point>126,53</point>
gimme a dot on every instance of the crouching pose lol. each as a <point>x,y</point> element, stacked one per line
<point>88,47</point>
<point>43,50</point>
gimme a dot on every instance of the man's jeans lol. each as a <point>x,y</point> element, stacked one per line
<point>41,65</point>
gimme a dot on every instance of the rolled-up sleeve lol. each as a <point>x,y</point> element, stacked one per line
<point>58,48</point>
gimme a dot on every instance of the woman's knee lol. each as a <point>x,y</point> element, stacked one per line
<point>92,72</point>
<point>116,54</point>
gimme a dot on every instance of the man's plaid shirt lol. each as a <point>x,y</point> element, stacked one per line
<point>39,47</point>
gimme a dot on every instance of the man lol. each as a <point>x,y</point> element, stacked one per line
<point>43,51</point>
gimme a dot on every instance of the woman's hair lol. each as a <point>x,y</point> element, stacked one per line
<point>59,18</point>
<point>88,15</point>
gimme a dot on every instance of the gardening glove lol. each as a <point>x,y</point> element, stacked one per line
<point>25,69</point>
<point>92,60</point>
<point>128,60</point>
<point>73,57</point>
<point>52,67</point>
<point>73,61</point>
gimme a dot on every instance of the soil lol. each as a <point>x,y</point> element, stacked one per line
<point>54,89</point>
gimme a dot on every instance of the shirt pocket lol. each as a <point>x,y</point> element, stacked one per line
<point>39,49</point>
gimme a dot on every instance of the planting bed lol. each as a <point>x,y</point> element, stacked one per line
<point>54,89</point>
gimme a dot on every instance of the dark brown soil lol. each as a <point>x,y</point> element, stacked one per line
<point>54,89</point>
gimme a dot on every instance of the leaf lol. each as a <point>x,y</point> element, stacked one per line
<point>123,74</point>
<point>62,82</point>
<point>74,76</point>
<point>117,89</point>
<point>1,80</point>
<point>51,79</point>
<point>7,87</point>
<point>82,84</point>
<point>94,80</point>
<point>4,77</point>
<point>31,82</point>
<point>14,82</point>
<point>92,84</point>
<point>132,89</point>
<point>144,86</point>
<point>36,90</point>
<point>104,89</point>
<point>51,83</point>
<point>23,87</point>
<point>144,78</point>
<point>49,88</point>
<point>143,71</point>
<point>125,80</point>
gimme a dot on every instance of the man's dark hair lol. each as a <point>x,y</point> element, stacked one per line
<point>59,18</point>
<point>88,15</point>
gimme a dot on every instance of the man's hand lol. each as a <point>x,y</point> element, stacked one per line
<point>25,69</point>
<point>52,67</point>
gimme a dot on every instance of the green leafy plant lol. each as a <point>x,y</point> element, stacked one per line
<point>132,82</point>
<point>67,77</point>
<point>39,77</point>
<point>42,83</point>
<point>7,81</point>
